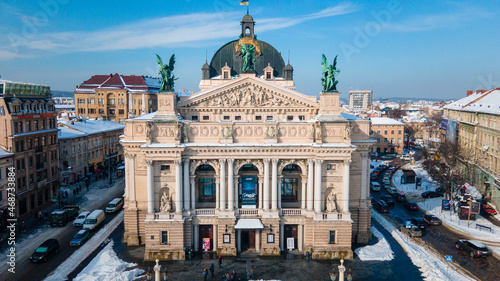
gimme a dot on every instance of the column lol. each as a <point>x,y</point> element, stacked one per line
<point>131,184</point>
<point>303,190</point>
<point>144,104</point>
<point>193,195</point>
<point>150,186</point>
<point>238,238</point>
<point>217,195</point>
<point>260,192</point>
<point>222,186</point>
<point>345,191</point>
<point>230,184</point>
<point>178,186</point>
<point>310,184</point>
<point>317,188</point>
<point>364,171</point>
<point>282,237</point>
<point>257,240</point>
<point>216,237</point>
<point>236,194</point>
<point>126,195</point>
<point>278,183</point>
<point>274,187</point>
<point>265,198</point>
<point>301,237</point>
<point>187,199</point>
<point>195,232</point>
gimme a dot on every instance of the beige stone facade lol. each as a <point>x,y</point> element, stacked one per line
<point>388,135</point>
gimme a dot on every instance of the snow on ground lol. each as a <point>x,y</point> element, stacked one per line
<point>85,250</point>
<point>433,268</point>
<point>433,206</point>
<point>107,266</point>
<point>381,251</point>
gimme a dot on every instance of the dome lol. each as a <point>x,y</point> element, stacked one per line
<point>269,55</point>
<point>205,66</point>
<point>288,67</point>
<point>247,18</point>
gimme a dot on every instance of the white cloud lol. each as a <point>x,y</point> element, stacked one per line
<point>166,31</point>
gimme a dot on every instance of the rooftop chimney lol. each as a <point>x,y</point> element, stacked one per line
<point>469,92</point>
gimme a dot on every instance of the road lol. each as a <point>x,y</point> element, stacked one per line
<point>25,270</point>
<point>442,240</point>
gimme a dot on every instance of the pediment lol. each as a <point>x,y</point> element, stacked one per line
<point>249,93</point>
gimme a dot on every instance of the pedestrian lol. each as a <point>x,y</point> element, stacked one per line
<point>220,261</point>
<point>212,269</point>
<point>205,273</point>
<point>252,270</point>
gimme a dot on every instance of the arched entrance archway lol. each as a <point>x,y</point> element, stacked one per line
<point>291,186</point>
<point>206,187</point>
<point>248,192</point>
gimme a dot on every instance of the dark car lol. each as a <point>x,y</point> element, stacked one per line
<point>431,194</point>
<point>373,176</point>
<point>80,238</point>
<point>432,220</point>
<point>381,206</point>
<point>45,250</point>
<point>418,222</point>
<point>373,200</point>
<point>388,199</point>
<point>398,197</point>
<point>475,248</point>
<point>412,206</point>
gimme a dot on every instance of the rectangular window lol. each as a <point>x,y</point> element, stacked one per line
<point>385,140</point>
<point>400,140</point>
<point>378,140</point>
<point>378,132</point>
<point>258,118</point>
<point>121,111</point>
<point>237,118</point>
<point>302,117</point>
<point>164,237</point>
<point>399,132</point>
<point>331,166</point>
<point>385,132</point>
<point>289,190</point>
<point>392,140</point>
<point>332,237</point>
<point>289,118</point>
<point>207,190</point>
<point>392,132</point>
<point>206,117</point>
<point>268,75</point>
<point>226,117</point>
<point>269,118</point>
<point>194,118</point>
<point>165,167</point>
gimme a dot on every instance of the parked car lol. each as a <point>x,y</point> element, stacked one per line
<point>114,205</point>
<point>431,194</point>
<point>412,206</point>
<point>373,201</point>
<point>45,250</point>
<point>487,210</point>
<point>413,231</point>
<point>439,189</point>
<point>375,186</point>
<point>387,182</point>
<point>388,199</point>
<point>373,176</point>
<point>418,222</point>
<point>475,248</point>
<point>432,220</point>
<point>80,238</point>
<point>94,220</point>
<point>381,206</point>
<point>392,190</point>
<point>386,157</point>
<point>80,219</point>
<point>398,197</point>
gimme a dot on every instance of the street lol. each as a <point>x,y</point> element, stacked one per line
<point>441,239</point>
<point>97,198</point>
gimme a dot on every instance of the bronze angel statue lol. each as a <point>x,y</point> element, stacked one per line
<point>247,52</point>
<point>167,77</point>
<point>329,71</point>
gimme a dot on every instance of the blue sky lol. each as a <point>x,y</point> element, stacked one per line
<point>428,49</point>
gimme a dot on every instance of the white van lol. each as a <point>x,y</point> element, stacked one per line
<point>81,219</point>
<point>375,186</point>
<point>114,205</point>
<point>94,220</point>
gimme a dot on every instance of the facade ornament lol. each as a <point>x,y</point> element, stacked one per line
<point>179,132</point>
<point>347,162</point>
<point>318,131</point>
<point>271,132</point>
<point>167,77</point>
<point>347,131</point>
<point>149,134</point>
<point>165,202</point>
<point>226,132</point>
<point>329,82</point>
<point>149,162</point>
<point>331,202</point>
<point>185,130</point>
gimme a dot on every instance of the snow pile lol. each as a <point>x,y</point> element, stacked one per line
<point>107,266</point>
<point>432,267</point>
<point>378,252</point>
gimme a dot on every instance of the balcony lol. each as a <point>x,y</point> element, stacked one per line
<point>205,212</point>
<point>291,212</point>
<point>332,216</point>
<point>248,212</point>
<point>392,144</point>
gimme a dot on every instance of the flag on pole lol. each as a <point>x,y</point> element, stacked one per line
<point>244,2</point>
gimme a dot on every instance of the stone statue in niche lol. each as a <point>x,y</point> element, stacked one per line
<point>185,130</point>
<point>347,131</point>
<point>318,131</point>
<point>165,202</point>
<point>331,202</point>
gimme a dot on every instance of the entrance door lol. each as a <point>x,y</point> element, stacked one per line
<point>291,231</point>
<point>205,231</point>
<point>247,240</point>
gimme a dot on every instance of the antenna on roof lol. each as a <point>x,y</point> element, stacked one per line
<point>206,55</point>
<point>288,56</point>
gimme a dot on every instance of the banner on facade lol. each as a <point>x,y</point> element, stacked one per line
<point>249,192</point>
<point>206,244</point>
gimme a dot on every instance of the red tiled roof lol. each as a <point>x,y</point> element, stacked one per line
<point>113,81</point>
<point>134,80</point>
<point>97,79</point>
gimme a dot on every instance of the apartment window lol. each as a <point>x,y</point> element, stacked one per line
<point>101,111</point>
<point>332,237</point>
<point>112,112</point>
<point>331,166</point>
<point>392,132</point>
<point>237,118</point>
<point>269,118</point>
<point>385,132</point>
<point>289,118</point>
<point>385,140</point>
<point>392,140</point>
<point>164,237</point>
<point>258,118</point>
<point>302,117</point>
<point>399,132</point>
<point>165,167</point>
<point>400,140</point>
<point>206,117</point>
<point>378,140</point>
<point>111,101</point>
<point>194,118</point>
<point>207,190</point>
<point>378,132</point>
<point>226,117</point>
<point>121,111</point>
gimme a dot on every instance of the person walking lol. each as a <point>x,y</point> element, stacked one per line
<point>205,273</point>
<point>212,270</point>
<point>252,270</point>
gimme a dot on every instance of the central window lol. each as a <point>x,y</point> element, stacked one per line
<point>207,190</point>
<point>289,190</point>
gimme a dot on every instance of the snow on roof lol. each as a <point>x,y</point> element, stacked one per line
<point>81,232</point>
<point>62,106</point>
<point>249,224</point>
<point>477,243</point>
<point>349,117</point>
<point>67,133</point>
<point>459,104</point>
<point>490,103</point>
<point>384,121</point>
<point>4,153</point>
<point>148,116</point>
<point>95,126</point>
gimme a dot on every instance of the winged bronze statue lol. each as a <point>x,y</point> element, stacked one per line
<point>329,82</point>
<point>167,77</point>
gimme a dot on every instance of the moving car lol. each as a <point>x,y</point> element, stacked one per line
<point>412,206</point>
<point>381,206</point>
<point>94,220</point>
<point>413,231</point>
<point>392,190</point>
<point>432,220</point>
<point>487,210</point>
<point>418,222</point>
<point>80,238</point>
<point>373,176</point>
<point>387,182</point>
<point>398,197</point>
<point>80,219</point>
<point>375,186</point>
<point>373,200</point>
<point>431,194</point>
<point>388,199</point>
<point>114,205</point>
<point>45,250</point>
<point>475,248</point>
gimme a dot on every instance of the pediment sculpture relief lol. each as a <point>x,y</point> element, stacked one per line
<point>271,132</point>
